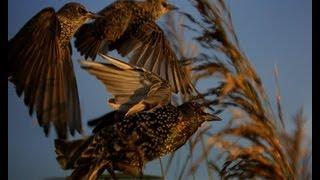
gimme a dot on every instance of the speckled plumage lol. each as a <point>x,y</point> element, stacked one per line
<point>144,126</point>
<point>40,67</point>
<point>69,22</point>
<point>132,141</point>
<point>119,18</point>
<point>68,28</point>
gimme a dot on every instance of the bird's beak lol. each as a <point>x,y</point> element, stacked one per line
<point>92,15</point>
<point>212,117</point>
<point>172,7</point>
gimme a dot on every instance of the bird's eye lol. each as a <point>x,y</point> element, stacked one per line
<point>82,11</point>
<point>164,4</point>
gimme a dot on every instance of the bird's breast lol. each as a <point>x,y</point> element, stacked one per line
<point>67,29</point>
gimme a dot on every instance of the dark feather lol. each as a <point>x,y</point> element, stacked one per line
<point>148,48</point>
<point>104,121</point>
<point>42,70</point>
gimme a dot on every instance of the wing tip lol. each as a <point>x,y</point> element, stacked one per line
<point>117,62</point>
<point>87,64</point>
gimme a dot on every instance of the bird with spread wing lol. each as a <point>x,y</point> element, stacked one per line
<point>143,127</point>
<point>130,28</point>
<point>133,88</point>
<point>40,67</point>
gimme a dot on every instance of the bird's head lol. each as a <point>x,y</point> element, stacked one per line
<point>192,116</point>
<point>196,113</point>
<point>163,7</point>
<point>76,12</point>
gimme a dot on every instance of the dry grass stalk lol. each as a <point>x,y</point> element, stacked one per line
<point>185,51</point>
<point>269,151</point>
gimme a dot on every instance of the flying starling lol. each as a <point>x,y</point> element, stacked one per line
<point>40,66</point>
<point>126,142</point>
<point>129,27</point>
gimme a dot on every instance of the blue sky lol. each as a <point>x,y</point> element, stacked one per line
<point>269,32</point>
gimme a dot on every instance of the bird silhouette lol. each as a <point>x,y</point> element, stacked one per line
<point>129,27</point>
<point>40,67</point>
<point>143,127</point>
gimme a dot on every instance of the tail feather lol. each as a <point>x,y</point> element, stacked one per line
<point>69,156</point>
<point>87,43</point>
<point>80,172</point>
<point>69,152</point>
<point>90,172</point>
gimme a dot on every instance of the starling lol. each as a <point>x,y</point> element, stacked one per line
<point>126,142</point>
<point>40,66</point>
<point>129,27</point>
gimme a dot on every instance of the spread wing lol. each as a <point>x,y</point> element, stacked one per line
<point>42,70</point>
<point>92,37</point>
<point>134,89</point>
<point>148,48</point>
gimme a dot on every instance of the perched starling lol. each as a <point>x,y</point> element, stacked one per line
<point>129,27</point>
<point>40,66</point>
<point>126,142</point>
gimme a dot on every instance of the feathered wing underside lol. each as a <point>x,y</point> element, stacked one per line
<point>133,88</point>
<point>147,47</point>
<point>43,71</point>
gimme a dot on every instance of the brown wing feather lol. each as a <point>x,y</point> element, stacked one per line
<point>43,71</point>
<point>148,48</point>
<point>134,89</point>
